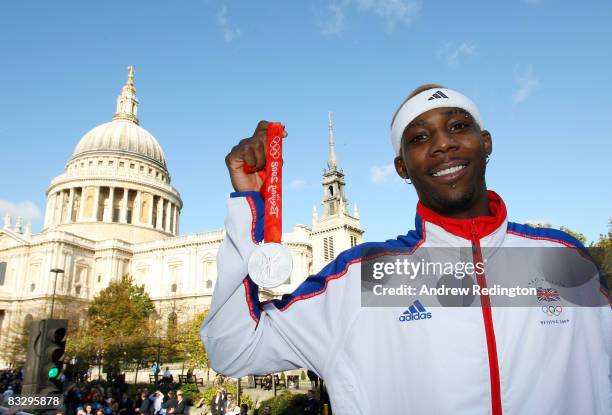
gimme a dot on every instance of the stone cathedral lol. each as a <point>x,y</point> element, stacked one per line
<point>113,211</point>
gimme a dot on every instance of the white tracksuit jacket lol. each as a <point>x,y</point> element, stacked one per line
<point>472,360</point>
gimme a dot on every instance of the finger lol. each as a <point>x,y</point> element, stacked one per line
<point>249,156</point>
<point>285,133</point>
<point>260,154</point>
<point>261,126</point>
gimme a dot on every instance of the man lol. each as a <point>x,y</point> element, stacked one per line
<point>167,378</point>
<point>218,402</point>
<point>157,398</point>
<point>312,405</point>
<point>145,404</point>
<point>179,408</point>
<point>470,360</point>
<point>170,404</point>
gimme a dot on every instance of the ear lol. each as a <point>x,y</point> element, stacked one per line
<point>487,142</point>
<point>400,167</point>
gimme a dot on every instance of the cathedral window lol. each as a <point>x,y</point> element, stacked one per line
<point>110,163</point>
<point>90,163</point>
<point>121,164</point>
<point>142,168</point>
<point>173,288</point>
<point>208,284</point>
<point>131,165</point>
<point>100,162</point>
<point>331,190</point>
<point>2,272</point>
<point>99,278</point>
<point>328,248</point>
<point>353,241</point>
<point>32,287</point>
<point>77,290</point>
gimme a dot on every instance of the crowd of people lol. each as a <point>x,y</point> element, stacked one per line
<point>223,403</point>
<point>93,399</point>
<point>10,383</point>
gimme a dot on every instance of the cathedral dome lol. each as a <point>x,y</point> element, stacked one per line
<point>121,136</point>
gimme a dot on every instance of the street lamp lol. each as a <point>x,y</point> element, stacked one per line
<point>55,271</point>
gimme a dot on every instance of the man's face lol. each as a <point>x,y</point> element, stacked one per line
<point>443,152</point>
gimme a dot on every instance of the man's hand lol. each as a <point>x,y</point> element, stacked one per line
<point>252,152</point>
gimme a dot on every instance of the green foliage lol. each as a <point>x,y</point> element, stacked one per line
<point>602,253</point>
<point>122,308</point>
<point>286,404</point>
<point>117,327</point>
<point>191,392</point>
<point>575,234</point>
<point>190,345</point>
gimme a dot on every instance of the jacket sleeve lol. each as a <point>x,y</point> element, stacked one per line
<point>243,336</point>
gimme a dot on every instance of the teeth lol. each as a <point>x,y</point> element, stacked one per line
<point>450,170</point>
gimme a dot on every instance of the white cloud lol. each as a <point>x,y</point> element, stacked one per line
<point>297,184</point>
<point>380,174</point>
<point>454,55</point>
<point>336,22</point>
<point>229,33</point>
<point>527,82</point>
<point>392,11</point>
<point>29,211</point>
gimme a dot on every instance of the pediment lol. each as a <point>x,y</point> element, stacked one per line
<point>9,240</point>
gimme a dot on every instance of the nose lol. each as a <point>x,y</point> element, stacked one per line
<point>442,142</point>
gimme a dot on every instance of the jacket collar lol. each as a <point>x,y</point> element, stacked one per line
<point>472,228</point>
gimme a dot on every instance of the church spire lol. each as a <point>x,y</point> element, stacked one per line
<point>127,103</point>
<point>332,163</point>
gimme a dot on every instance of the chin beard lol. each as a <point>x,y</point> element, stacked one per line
<point>457,202</point>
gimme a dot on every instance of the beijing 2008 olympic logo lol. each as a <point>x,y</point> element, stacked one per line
<point>275,147</point>
<point>552,310</point>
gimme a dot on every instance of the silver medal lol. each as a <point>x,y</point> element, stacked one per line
<point>270,265</point>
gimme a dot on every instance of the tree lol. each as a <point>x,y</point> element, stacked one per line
<point>117,326</point>
<point>191,346</point>
<point>577,235</point>
<point>602,252</point>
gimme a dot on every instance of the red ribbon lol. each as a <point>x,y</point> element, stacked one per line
<point>272,188</point>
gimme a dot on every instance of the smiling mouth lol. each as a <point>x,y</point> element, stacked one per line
<point>449,170</point>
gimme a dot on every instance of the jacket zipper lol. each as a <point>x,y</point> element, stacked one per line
<point>496,407</point>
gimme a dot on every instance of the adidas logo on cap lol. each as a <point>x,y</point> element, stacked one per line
<point>437,95</point>
<point>415,312</point>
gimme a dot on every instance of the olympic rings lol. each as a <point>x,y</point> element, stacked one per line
<point>274,149</point>
<point>552,310</point>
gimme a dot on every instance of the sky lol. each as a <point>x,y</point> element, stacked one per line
<point>207,71</point>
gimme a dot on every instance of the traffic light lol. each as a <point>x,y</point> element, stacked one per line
<point>45,359</point>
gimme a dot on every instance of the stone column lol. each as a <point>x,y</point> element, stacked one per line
<point>62,196</point>
<point>70,204</point>
<point>168,212</point>
<point>111,205</point>
<point>124,206</point>
<point>96,205</point>
<point>82,207</point>
<point>150,221</point>
<point>137,208</point>
<point>50,210</point>
<point>175,228</point>
<point>160,214</point>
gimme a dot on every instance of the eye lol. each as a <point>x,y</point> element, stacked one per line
<point>459,125</point>
<point>418,138</point>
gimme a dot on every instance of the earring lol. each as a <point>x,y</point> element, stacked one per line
<point>487,159</point>
<point>408,181</point>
